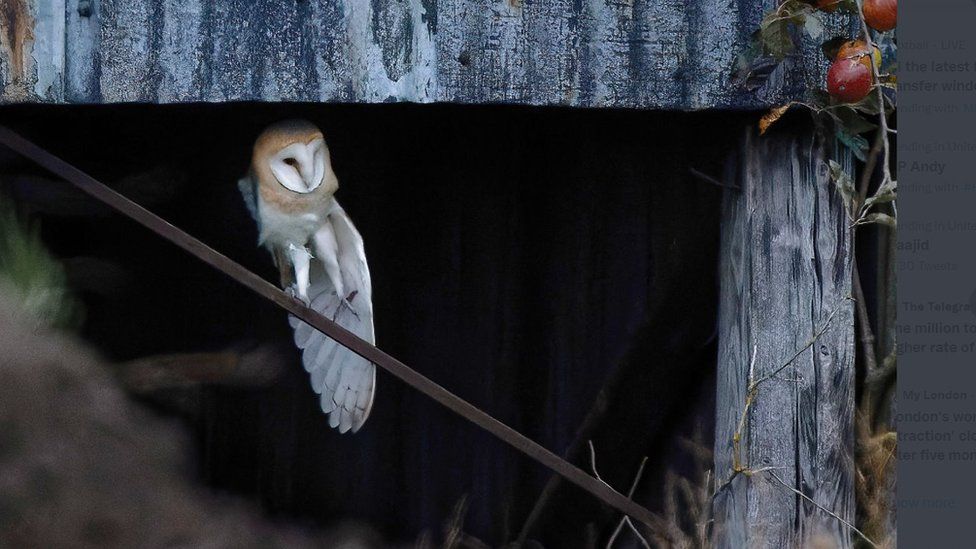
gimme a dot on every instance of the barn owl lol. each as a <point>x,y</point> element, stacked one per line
<point>290,191</point>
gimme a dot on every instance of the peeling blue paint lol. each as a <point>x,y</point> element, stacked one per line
<point>665,54</point>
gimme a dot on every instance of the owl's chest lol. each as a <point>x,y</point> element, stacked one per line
<point>281,228</point>
<point>280,199</point>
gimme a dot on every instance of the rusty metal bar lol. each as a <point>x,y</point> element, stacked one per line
<point>258,285</point>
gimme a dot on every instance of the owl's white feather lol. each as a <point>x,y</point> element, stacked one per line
<point>345,381</point>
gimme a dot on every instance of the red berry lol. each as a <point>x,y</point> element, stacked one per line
<point>848,80</point>
<point>881,15</point>
<point>857,50</point>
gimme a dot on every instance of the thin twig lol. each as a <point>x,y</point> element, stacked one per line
<point>869,165</point>
<point>864,322</point>
<point>750,394</point>
<point>752,389</point>
<point>864,421</point>
<point>821,507</point>
<point>706,509</point>
<point>590,421</point>
<point>746,472</point>
<point>630,494</point>
<point>626,519</point>
<point>453,529</point>
<point>802,349</point>
<point>714,181</point>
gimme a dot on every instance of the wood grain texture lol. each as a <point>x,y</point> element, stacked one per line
<point>785,269</point>
<point>668,54</point>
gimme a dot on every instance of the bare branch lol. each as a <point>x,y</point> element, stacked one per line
<point>714,181</point>
<point>801,350</point>
<point>626,519</point>
<point>630,494</point>
<point>750,395</point>
<point>752,389</point>
<point>821,507</point>
<point>864,322</point>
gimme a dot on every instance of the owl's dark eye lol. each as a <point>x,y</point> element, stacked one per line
<point>292,162</point>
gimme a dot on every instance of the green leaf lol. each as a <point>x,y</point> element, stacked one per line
<point>890,97</point>
<point>852,122</point>
<point>32,274</point>
<point>880,218</point>
<point>775,36</point>
<point>796,10</point>
<point>775,29</point>
<point>752,68</point>
<point>868,105</point>
<point>887,192</point>
<point>844,183</point>
<point>857,144</point>
<point>818,97</point>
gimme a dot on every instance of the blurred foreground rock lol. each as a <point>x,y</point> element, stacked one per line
<point>83,466</point>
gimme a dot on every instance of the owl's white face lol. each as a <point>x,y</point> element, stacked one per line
<point>300,167</point>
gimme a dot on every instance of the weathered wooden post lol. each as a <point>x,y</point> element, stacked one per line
<point>786,350</point>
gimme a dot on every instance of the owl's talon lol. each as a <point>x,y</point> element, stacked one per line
<point>344,302</point>
<point>293,293</point>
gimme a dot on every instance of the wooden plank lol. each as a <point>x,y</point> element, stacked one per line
<point>785,276</point>
<point>669,54</point>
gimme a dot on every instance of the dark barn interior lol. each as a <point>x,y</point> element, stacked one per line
<point>523,258</point>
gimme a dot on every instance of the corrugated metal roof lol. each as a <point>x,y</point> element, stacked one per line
<point>669,54</point>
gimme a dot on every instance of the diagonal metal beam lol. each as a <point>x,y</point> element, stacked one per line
<point>265,289</point>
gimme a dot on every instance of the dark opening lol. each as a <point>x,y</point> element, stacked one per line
<point>521,257</point>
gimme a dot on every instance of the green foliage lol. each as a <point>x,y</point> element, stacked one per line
<point>887,192</point>
<point>845,185</point>
<point>882,218</point>
<point>774,41</point>
<point>31,274</point>
<point>850,122</point>
<point>774,31</point>
<point>775,36</point>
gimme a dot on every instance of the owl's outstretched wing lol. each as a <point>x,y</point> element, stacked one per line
<point>339,289</point>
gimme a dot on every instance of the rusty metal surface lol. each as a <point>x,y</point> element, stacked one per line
<point>668,54</point>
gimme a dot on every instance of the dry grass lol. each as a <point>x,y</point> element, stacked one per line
<point>687,500</point>
<point>82,466</point>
